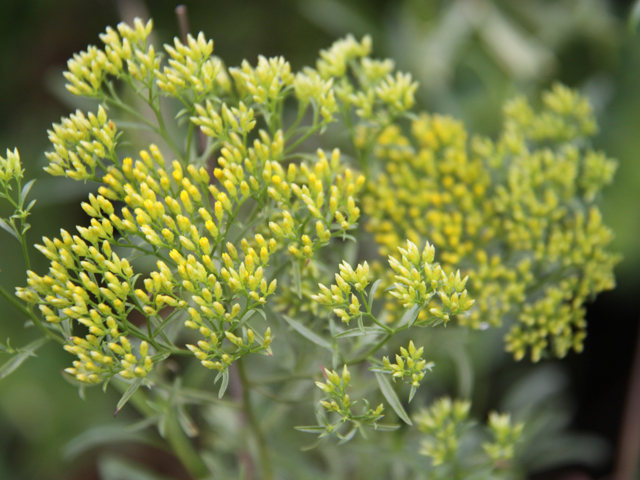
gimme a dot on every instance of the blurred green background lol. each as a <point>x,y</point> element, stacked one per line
<point>469,57</point>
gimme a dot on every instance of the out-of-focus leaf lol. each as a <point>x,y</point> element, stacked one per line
<point>297,278</point>
<point>5,226</point>
<point>357,332</point>
<point>102,435</point>
<point>634,16</point>
<point>133,388</point>
<point>18,359</point>
<point>116,468</point>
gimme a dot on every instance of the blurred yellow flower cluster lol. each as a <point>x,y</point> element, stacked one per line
<point>516,215</point>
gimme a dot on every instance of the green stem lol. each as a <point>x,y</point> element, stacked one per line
<point>183,448</point>
<point>265,461</point>
<point>174,435</point>
<point>31,316</point>
<point>25,252</point>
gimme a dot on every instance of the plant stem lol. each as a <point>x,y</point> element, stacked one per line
<point>183,448</point>
<point>31,316</point>
<point>265,461</point>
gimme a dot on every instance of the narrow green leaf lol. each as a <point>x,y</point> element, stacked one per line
<point>357,332</point>
<point>374,288</point>
<point>312,429</point>
<point>308,334</point>
<point>348,436</point>
<point>410,316</point>
<point>306,448</point>
<point>99,437</point>
<point>244,319</point>
<point>25,190</point>
<point>5,226</point>
<point>18,359</point>
<point>297,278</point>
<point>386,428</point>
<point>390,394</point>
<point>128,394</point>
<point>225,384</point>
<point>413,392</point>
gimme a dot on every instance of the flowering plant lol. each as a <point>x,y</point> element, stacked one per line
<point>236,235</point>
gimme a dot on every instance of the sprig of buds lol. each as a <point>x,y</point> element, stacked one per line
<point>338,401</point>
<point>410,367</point>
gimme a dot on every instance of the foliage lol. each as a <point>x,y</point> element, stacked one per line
<point>206,246</point>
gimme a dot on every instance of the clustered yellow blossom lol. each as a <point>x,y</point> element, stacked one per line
<point>379,95</point>
<point>125,46</point>
<point>345,304</point>
<point>445,424</point>
<point>266,82</point>
<point>338,401</point>
<point>80,145</point>
<point>517,214</point>
<point>409,364</point>
<point>324,193</point>
<point>90,284</point>
<point>191,67</point>
<point>10,167</point>
<point>505,436</point>
<point>417,281</point>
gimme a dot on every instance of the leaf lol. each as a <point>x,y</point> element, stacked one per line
<point>5,226</point>
<point>413,392</point>
<point>225,384</point>
<point>308,334</point>
<point>410,316</point>
<point>372,292</point>
<point>128,394</point>
<point>18,359</point>
<point>634,17</point>
<point>99,436</point>
<point>386,428</point>
<point>306,448</point>
<point>186,423</point>
<point>357,332</point>
<point>116,468</point>
<point>348,436</point>
<point>244,319</point>
<point>297,278</point>
<point>390,394</point>
<point>312,429</point>
<point>25,190</point>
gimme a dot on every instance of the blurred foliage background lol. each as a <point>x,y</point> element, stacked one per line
<point>469,57</point>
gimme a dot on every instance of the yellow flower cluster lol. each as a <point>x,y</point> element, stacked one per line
<point>89,283</point>
<point>517,213</point>
<point>324,192</point>
<point>88,70</point>
<point>191,67</point>
<point>505,436</point>
<point>80,144</point>
<point>10,167</point>
<point>417,281</point>
<point>444,423</point>
<point>410,364</point>
<point>338,401</point>
<point>379,94</point>
<point>266,82</point>
<point>345,307</point>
